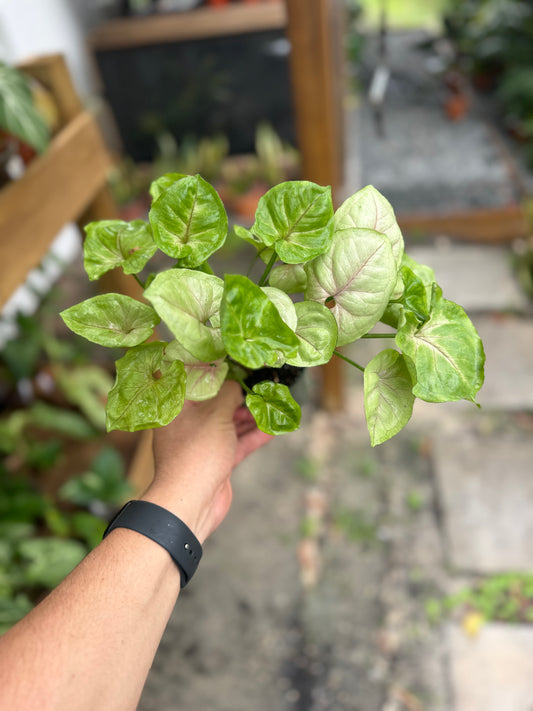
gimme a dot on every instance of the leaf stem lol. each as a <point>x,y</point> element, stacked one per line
<point>379,335</point>
<point>351,362</point>
<point>268,269</point>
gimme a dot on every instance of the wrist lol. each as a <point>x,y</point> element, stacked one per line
<point>184,508</point>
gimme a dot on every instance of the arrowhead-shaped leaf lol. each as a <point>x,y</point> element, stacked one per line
<point>162,184</point>
<point>248,236</point>
<point>148,391</point>
<point>189,221</point>
<point>204,380</point>
<point>388,395</point>
<point>284,305</point>
<point>446,352</point>
<point>189,303</point>
<point>357,275</point>
<point>115,243</point>
<point>369,209</point>
<point>111,320</point>
<point>273,407</point>
<point>252,329</point>
<point>317,334</point>
<point>296,218</point>
<point>290,278</point>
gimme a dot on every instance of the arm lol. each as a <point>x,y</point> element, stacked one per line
<point>91,642</point>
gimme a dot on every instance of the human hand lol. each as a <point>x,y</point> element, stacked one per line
<point>195,455</point>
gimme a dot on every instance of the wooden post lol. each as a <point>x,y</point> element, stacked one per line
<point>315,33</point>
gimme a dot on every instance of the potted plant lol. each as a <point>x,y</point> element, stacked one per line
<point>346,271</point>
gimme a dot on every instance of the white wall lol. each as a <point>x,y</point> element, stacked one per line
<point>31,27</point>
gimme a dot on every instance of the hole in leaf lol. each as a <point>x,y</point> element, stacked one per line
<point>330,302</point>
<point>157,374</point>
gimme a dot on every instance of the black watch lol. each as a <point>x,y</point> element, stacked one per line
<point>164,528</point>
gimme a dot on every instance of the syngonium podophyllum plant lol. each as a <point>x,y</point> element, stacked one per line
<point>345,271</point>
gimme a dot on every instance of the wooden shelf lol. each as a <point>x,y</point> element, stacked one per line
<point>199,24</point>
<point>57,187</point>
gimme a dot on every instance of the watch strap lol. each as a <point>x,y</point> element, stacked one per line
<point>163,527</point>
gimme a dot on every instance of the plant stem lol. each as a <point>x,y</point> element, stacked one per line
<point>141,283</point>
<point>268,269</point>
<point>379,335</point>
<point>245,387</point>
<point>351,362</point>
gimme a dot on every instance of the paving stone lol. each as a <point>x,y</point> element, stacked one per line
<point>492,672</point>
<point>486,490</point>
<point>508,345</point>
<point>478,277</point>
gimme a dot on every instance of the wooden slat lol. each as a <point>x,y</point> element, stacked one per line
<point>314,30</point>
<point>198,24</point>
<point>488,225</point>
<point>57,187</point>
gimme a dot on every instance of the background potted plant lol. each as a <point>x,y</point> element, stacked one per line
<point>346,271</point>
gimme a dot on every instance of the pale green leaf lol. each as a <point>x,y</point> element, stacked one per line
<point>148,392</point>
<point>370,210</point>
<point>316,330</point>
<point>248,236</point>
<point>252,329</point>
<point>163,183</point>
<point>111,320</point>
<point>284,305</point>
<point>446,352</point>
<point>115,243</point>
<point>273,407</point>
<point>290,278</point>
<point>189,221</point>
<point>189,303</point>
<point>204,380</point>
<point>296,218</point>
<point>388,395</point>
<point>356,278</point>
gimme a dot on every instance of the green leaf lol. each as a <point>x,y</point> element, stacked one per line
<point>296,218</point>
<point>284,305</point>
<point>446,352</point>
<point>18,114</point>
<point>248,236</point>
<point>162,184</point>
<point>204,380</point>
<point>49,560</point>
<point>253,331</point>
<point>85,386</point>
<point>291,278</point>
<point>273,407</point>
<point>189,303</point>
<point>388,395</point>
<point>189,221</point>
<point>115,243</point>
<point>356,277</point>
<point>111,320</point>
<point>88,527</point>
<point>316,330</point>
<point>105,481</point>
<point>12,610</point>
<point>147,392</point>
<point>370,210</point>
<point>57,419</point>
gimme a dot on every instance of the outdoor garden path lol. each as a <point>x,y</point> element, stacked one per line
<point>312,595</point>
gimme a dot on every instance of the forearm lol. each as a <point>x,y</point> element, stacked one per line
<point>91,642</point>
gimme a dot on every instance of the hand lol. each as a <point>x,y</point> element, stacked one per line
<point>195,455</point>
